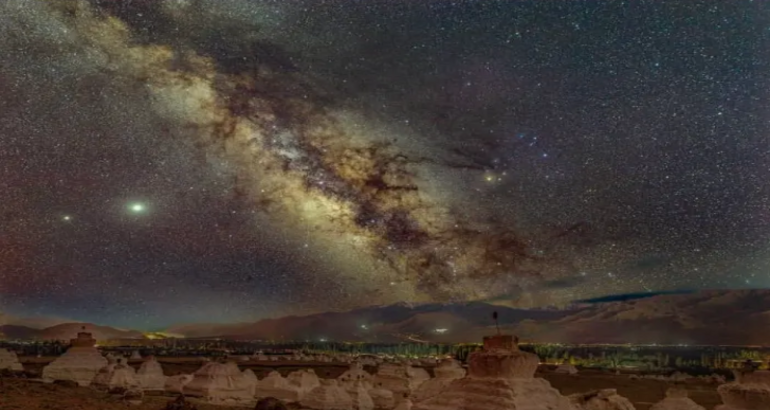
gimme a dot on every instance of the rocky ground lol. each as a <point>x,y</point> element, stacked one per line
<point>19,394</point>
<point>643,393</point>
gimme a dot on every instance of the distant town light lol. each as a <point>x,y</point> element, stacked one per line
<point>442,330</point>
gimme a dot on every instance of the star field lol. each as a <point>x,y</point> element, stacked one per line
<point>221,161</point>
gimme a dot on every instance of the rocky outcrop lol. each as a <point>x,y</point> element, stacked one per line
<point>219,383</point>
<point>401,379</point>
<point>754,377</point>
<point>744,396</point>
<point>116,378</point>
<point>359,393</point>
<point>446,372</point>
<point>676,399</point>
<point>274,385</point>
<point>354,374</point>
<point>80,363</point>
<point>566,369</point>
<point>500,377</point>
<point>150,375</point>
<point>9,361</point>
<point>306,380</point>
<point>175,384</point>
<point>383,399</point>
<point>605,399</point>
<point>327,396</point>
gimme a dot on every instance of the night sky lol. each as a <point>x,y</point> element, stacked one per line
<point>227,160</point>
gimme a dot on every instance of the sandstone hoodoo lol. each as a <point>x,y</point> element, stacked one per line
<point>354,374</point>
<point>360,395</point>
<point>327,396</point>
<point>9,361</point>
<point>383,399</point>
<point>80,363</point>
<point>749,392</point>
<point>446,372</point>
<point>500,377</point>
<point>116,377</point>
<point>175,384</point>
<point>306,380</point>
<point>449,369</point>
<point>401,379</point>
<point>251,379</point>
<point>275,385</point>
<point>150,375</point>
<point>219,383</point>
<point>676,399</point>
<point>605,399</point>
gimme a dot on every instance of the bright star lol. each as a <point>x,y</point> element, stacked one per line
<point>137,208</point>
<point>67,218</point>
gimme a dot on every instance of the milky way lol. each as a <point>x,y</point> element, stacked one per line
<point>228,160</point>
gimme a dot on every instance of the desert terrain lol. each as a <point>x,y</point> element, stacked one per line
<point>27,394</point>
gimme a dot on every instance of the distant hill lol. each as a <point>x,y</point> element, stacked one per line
<point>18,332</point>
<point>708,317</point>
<point>738,317</point>
<point>31,322</point>
<point>67,331</point>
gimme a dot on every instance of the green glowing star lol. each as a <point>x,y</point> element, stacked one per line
<point>137,208</point>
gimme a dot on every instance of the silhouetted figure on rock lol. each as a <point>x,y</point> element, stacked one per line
<point>270,403</point>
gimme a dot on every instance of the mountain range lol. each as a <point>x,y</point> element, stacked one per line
<point>737,317</point>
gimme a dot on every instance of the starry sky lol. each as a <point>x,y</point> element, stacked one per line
<point>176,161</point>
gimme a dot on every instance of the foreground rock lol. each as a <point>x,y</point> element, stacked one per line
<point>500,377</point>
<point>605,399</point>
<point>566,368</point>
<point>175,384</point>
<point>79,364</point>
<point>327,396</point>
<point>220,383</point>
<point>116,378</point>
<point>753,377</point>
<point>275,385</point>
<point>9,361</point>
<point>676,399</point>
<point>354,374</point>
<point>133,396</point>
<point>305,380</point>
<point>744,396</point>
<point>401,379</point>
<point>359,393</point>
<point>150,375</point>
<point>446,372</point>
<point>383,399</point>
